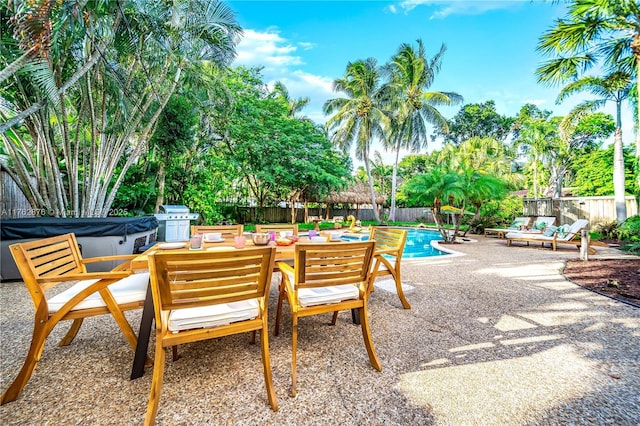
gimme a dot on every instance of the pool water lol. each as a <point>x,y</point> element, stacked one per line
<point>418,243</point>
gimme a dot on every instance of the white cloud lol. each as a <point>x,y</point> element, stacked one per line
<point>266,49</point>
<point>457,7</point>
<point>306,45</point>
<point>281,61</point>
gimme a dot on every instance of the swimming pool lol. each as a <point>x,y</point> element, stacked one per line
<point>418,243</point>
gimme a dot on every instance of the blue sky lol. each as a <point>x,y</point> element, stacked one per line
<point>490,46</point>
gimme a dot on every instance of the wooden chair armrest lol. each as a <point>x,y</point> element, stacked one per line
<point>86,276</point>
<point>388,251</point>
<point>107,258</point>
<point>287,269</point>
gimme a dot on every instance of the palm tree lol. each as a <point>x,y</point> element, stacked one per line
<point>430,189</point>
<point>615,87</point>
<point>537,136</point>
<point>412,108</point>
<point>595,32</point>
<point>294,105</point>
<point>358,117</point>
<point>491,164</point>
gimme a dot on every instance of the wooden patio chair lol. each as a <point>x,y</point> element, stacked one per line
<point>227,231</point>
<point>327,277</point>
<point>278,227</point>
<point>205,295</point>
<point>388,256</point>
<point>48,262</point>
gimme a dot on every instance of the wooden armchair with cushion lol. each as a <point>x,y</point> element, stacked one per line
<point>327,277</point>
<point>48,262</point>
<point>205,295</point>
<point>389,247</point>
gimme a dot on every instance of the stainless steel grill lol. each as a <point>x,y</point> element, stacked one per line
<point>174,222</point>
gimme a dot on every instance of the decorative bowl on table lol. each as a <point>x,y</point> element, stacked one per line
<point>284,241</point>
<point>261,239</point>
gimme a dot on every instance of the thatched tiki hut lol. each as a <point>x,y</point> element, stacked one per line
<point>357,194</point>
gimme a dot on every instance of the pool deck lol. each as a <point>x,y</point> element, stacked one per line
<point>495,336</point>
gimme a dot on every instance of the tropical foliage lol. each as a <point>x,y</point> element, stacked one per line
<point>88,85</point>
<point>602,35</point>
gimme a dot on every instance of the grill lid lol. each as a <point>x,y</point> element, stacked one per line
<point>173,209</point>
<point>175,212</point>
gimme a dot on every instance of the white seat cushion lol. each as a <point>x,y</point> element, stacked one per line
<point>325,295</point>
<point>214,315</point>
<point>128,290</point>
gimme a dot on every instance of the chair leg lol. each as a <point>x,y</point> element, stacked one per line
<point>366,334</point>
<point>156,384</point>
<point>334,318</point>
<point>276,327</point>
<point>266,365</point>
<point>294,349</point>
<point>174,353</point>
<point>71,334</point>
<point>119,317</point>
<point>33,356</point>
<point>253,337</point>
<point>403,299</point>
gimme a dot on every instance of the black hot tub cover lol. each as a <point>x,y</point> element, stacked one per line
<point>42,227</point>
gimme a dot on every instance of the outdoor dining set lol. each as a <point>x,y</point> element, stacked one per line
<point>214,285</point>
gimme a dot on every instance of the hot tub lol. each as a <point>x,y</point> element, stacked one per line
<point>96,236</point>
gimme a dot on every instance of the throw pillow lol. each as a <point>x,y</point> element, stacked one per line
<point>550,230</point>
<point>561,232</point>
<point>516,224</point>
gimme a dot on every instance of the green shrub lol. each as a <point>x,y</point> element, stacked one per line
<point>633,248</point>
<point>477,226</point>
<point>608,230</point>
<point>629,230</point>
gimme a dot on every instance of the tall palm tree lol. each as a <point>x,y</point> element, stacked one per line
<point>594,32</point>
<point>410,73</point>
<point>615,87</point>
<point>358,117</point>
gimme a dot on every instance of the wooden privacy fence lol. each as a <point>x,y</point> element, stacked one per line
<point>597,210</point>
<point>283,215</point>
<point>13,203</point>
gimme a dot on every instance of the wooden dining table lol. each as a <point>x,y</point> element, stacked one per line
<point>141,263</point>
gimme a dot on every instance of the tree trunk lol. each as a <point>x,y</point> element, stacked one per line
<point>618,168</point>
<point>374,206</point>
<point>394,183</point>
<point>162,175</point>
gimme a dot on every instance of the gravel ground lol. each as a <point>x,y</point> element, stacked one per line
<point>496,336</point>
